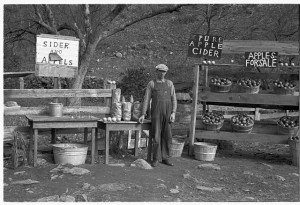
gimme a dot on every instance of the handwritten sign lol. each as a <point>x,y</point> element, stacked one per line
<point>208,47</point>
<point>261,59</point>
<point>56,56</point>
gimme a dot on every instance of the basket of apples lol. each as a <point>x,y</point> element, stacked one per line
<point>288,125</point>
<point>242,123</point>
<point>220,85</point>
<point>212,121</point>
<point>247,85</point>
<point>284,87</point>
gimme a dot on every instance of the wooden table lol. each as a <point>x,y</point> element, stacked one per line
<point>37,122</point>
<point>124,125</point>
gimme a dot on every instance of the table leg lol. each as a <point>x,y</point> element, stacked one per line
<point>30,145</point>
<point>53,136</point>
<point>106,146</point>
<point>96,142</point>
<point>149,154</point>
<point>85,135</point>
<point>93,145</point>
<point>137,139</point>
<point>35,137</point>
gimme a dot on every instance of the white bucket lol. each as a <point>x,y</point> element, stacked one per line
<point>205,151</point>
<point>74,154</point>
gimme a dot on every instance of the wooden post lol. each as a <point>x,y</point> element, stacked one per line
<point>21,80</point>
<point>205,67</point>
<point>257,114</point>
<point>55,87</point>
<point>299,88</point>
<point>194,110</point>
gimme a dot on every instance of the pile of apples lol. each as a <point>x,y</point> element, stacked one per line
<point>286,84</point>
<point>220,81</point>
<point>111,119</point>
<point>242,120</point>
<point>294,138</point>
<point>212,118</point>
<point>288,122</point>
<point>247,82</point>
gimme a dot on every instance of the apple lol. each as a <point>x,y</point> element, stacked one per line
<point>212,118</point>
<point>220,81</point>
<point>286,84</point>
<point>242,120</point>
<point>247,82</point>
<point>288,122</point>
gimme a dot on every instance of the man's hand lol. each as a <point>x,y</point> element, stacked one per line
<point>141,119</point>
<point>172,117</point>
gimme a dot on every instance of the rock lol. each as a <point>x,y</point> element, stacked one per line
<point>41,162</point>
<point>280,178</point>
<point>249,198</point>
<point>75,171</point>
<point>135,186</point>
<point>26,182</point>
<point>209,166</point>
<point>54,198</point>
<point>81,198</point>
<point>271,167</point>
<point>248,173</point>
<point>177,200</point>
<point>67,198</point>
<point>141,163</point>
<point>54,177</point>
<point>111,187</point>
<point>30,192</point>
<point>119,55</point>
<point>161,186</point>
<point>92,188</point>
<point>295,174</point>
<point>117,165</point>
<point>86,186</point>
<point>4,184</point>
<point>187,176</point>
<point>213,189</point>
<point>22,172</point>
<point>174,191</point>
<point>57,169</point>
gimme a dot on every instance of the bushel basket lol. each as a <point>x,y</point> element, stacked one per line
<point>245,89</point>
<point>205,151</point>
<point>240,128</point>
<point>283,91</point>
<point>208,126</point>
<point>176,147</point>
<point>220,88</point>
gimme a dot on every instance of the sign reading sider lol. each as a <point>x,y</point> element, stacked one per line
<point>208,47</point>
<point>261,59</point>
<point>56,56</point>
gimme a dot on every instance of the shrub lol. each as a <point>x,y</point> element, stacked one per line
<point>134,83</point>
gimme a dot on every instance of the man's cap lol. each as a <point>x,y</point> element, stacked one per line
<point>162,67</point>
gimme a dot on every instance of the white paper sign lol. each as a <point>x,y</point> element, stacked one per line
<point>66,47</point>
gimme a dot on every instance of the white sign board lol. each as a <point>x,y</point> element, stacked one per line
<point>66,47</point>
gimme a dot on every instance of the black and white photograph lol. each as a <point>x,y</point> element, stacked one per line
<point>164,101</point>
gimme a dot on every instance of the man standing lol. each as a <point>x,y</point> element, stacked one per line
<point>163,109</point>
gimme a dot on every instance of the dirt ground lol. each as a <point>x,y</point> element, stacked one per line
<point>248,172</point>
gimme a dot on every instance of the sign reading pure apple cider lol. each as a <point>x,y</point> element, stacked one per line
<point>208,47</point>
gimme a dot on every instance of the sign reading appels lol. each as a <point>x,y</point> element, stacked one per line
<point>208,47</point>
<point>56,56</point>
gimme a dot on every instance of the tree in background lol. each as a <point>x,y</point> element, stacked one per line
<point>90,23</point>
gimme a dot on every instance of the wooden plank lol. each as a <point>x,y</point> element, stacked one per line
<point>194,110</point>
<point>64,125</point>
<point>234,136</point>
<point>242,46</point>
<point>55,70</point>
<point>41,118</point>
<point>60,93</point>
<point>245,98</point>
<point>17,74</point>
<point>66,110</point>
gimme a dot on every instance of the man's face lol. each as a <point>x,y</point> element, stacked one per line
<point>160,74</point>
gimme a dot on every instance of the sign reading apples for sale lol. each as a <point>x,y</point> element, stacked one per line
<point>261,59</point>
